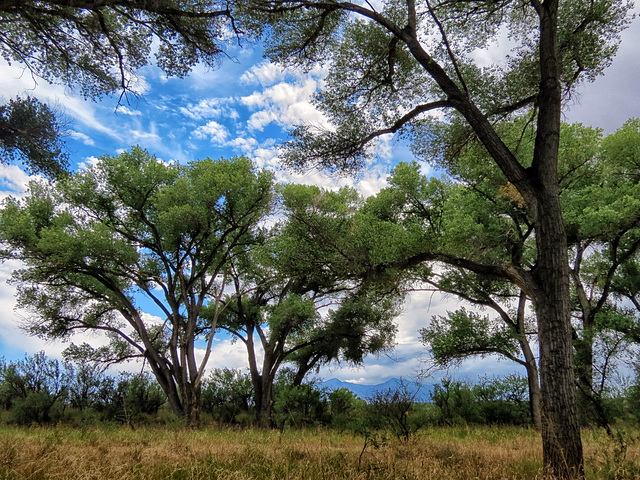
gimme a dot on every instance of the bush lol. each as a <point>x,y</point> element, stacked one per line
<point>344,408</point>
<point>456,402</point>
<point>34,388</point>
<point>501,400</point>
<point>297,405</point>
<point>130,398</point>
<point>226,395</point>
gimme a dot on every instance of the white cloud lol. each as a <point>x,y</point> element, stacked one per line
<point>149,319</point>
<point>81,137</point>
<point>368,183</point>
<point>88,162</point>
<point>209,108</point>
<point>360,380</point>
<point>215,132</point>
<point>228,354</point>
<point>245,145</point>
<point>264,73</point>
<point>285,104</point>
<point>13,181</point>
<point>139,84</point>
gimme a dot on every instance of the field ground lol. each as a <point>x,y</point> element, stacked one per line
<point>173,453</point>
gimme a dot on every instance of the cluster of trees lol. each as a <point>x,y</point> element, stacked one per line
<point>500,136</point>
<point>599,196</point>
<point>195,242</point>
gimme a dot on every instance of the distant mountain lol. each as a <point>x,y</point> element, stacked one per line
<point>366,392</point>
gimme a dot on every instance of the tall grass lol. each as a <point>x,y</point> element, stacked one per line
<point>155,453</point>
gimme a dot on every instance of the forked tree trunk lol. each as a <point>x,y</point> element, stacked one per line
<point>264,402</point>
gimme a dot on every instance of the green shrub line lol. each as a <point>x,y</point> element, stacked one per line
<point>42,391</point>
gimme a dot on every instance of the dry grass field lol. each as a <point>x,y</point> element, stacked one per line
<point>480,453</point>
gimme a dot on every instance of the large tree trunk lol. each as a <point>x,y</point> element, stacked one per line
<point>191,405</point>
<point>561,442</point>
<point>262,382</point>
<point>562,445</point>
<point>166,380</point>
<point>264,402</point>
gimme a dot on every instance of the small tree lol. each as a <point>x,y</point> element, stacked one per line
<point>456,402</point>
<point>296,405</point>
<point>303,306</point>
<point>391,409</point>
<point>227,393</point>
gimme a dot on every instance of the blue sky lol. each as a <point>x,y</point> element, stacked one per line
<point>246,107</point>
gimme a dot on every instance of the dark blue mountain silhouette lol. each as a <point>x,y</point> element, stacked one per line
<point>366,392</point>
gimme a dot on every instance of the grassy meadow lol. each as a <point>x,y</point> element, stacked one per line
<point>175,453</point>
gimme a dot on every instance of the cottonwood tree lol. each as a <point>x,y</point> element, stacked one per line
<point>133,229</point>
<point>304,305</point>
<point>481,217</point>
<point>391,65</point>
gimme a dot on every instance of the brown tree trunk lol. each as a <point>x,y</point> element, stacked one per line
<point>264,402</point>
<point>561,441</point>
<point>562,445</point>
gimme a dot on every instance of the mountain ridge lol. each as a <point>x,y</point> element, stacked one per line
<point>421,392</point>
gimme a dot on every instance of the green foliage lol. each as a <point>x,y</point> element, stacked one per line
<point>34,388</point>
<point>456,403</point>
<point>463,333</point>
<point>502,400</point>
<point>133,226</point>
<point>226,394</point>
<point>98,47</point>
<point>31,134</point>
<point>306,296</point>
<point>296,405</point>
<point>130,398</point>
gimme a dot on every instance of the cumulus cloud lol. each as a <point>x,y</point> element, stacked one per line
<point>213,131</point>
<point>88,162</point>
<point>285,104</point>
<point>368,183</point>
<point>226,353</point>
<point>264,73</point>
<point>244,145</point>
<point>209,108</point>
<point>13,180</point>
